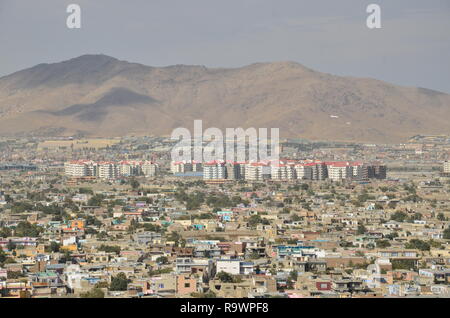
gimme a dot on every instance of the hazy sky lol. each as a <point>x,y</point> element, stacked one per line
<point>412,48</point>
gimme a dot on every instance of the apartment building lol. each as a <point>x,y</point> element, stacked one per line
<point>319,171</point>
<point>257,171</point>
<point>183,167</point>
<point>235,171</point>
<point>378,172</point>
<point>75,169</point>
<point>283,172</point>
<point>304,171</point>
<point>149,169</point>
<point>338,171</point>
<point>214,171</point>
<point>80,168</point>
<point>129,168</point>
<point>107,170</point>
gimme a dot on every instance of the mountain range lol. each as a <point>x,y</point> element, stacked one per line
<point>100,96</point>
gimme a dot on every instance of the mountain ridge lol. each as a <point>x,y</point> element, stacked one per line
<point>121,98</point>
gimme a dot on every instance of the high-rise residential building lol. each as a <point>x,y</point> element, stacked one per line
<point>149,169</point>
<point>320,171</point>
<point>234,171</point>
<point>129,168</point>
<point>379,171</point>
<point>254,171</point>
<point>75,169</point>
<point>176,167</point>
<point>184,167</point>
<point>214,171</point>
<point>278,172</point>
<point>361,172</point>
<point>197,166</point>
<point>282,171</point>
<point>107,170</point>
<point>80,168</point>
<point>304,171</point>
<point>338,171</point>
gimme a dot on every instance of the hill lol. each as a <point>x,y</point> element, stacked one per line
<point>97,95</point>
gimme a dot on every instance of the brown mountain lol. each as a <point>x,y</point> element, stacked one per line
<point>97,95</point>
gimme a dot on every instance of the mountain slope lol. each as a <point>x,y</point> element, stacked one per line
<point>97,95</point>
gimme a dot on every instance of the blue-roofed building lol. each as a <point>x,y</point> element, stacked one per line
<point>225,216</point>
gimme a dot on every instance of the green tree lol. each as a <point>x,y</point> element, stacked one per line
<point>361,229</point>
<point>134,184</point>
<point>208,294</point>
<point>418,244</point>
<point>447,233</point>
<point>399,216</point>
<point>27,229</point>
<point>96,200</point>
<point>102,284</point>
<point>225,277</point>
<point>162,260</point>
<point>110,249</point>
<point>93,293</point>
<point>2,257</point>
<point>256,219</point>
<point>5,232</point>
<point>119,282</point>
<point>11,246</point>
<point>383,243</point>
<point>53,247</point>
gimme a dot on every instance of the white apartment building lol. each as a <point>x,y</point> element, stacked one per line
<point>278,172</point>
<point>176,167</point>
<point>197,166</point>
<point>75,169</point>
<point>320,171</point>
<point>339,171</point>
<point>129,168</point>
<point>282,172</point>
<point>149,169</point>
<point>234,171</point>
<point>183,167</point>
<point>80,168</point>
<point>234,267</point>
<point>254,171</point>
<point>107,170</point>
<point>214,171</point>
<point>304,171</point>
